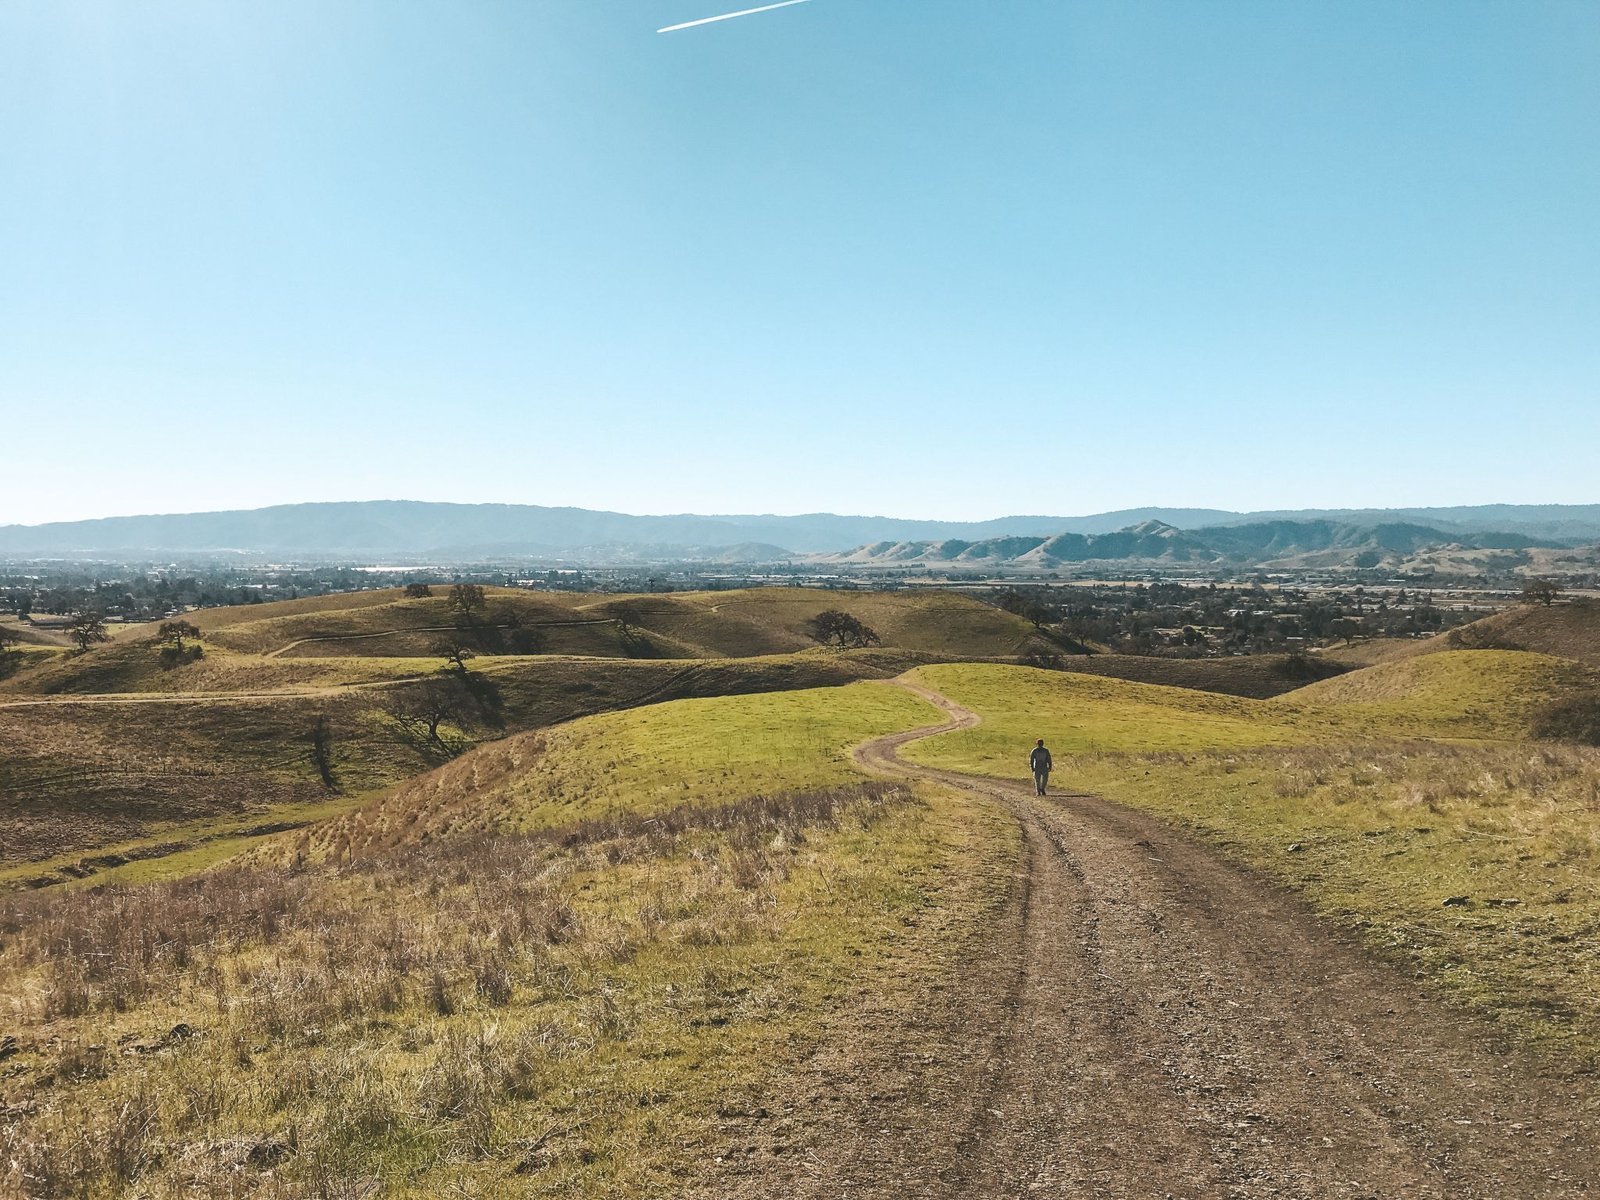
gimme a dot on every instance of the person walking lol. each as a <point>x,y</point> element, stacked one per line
<point>1039,760</point>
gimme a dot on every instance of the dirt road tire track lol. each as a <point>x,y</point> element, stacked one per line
<point>1146,1020</point>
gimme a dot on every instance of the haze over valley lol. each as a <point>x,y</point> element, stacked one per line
<point>1481,537</point>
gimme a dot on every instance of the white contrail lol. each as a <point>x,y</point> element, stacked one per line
<point>729,16</point>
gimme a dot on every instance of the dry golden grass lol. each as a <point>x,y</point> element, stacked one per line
<point>142,667</point>
<point>735,624</point>
<point>1568,630</point>
<point>77,777</point>
<point>640,760</point>
<point>1257,676</point>
<point>83,780</point>
<point>551,1014</point>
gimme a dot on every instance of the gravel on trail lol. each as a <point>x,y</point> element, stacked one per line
<point>1143,1019</point>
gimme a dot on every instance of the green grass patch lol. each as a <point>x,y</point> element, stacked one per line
<point>641,760</point>
<point>1329,792</point>
<point>1378,836</point>
<point>1463,693</point>
<point>1077,713</point>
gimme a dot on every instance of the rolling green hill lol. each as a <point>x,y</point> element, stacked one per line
<point>566,946</point>
<point>1456,693</point>
<point>139,775</point>
<point>1461,694</point>
<point>641,761</point>
<point>665,918</point>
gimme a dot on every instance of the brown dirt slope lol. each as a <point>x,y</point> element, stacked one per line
<point>1567,630</point>
<point>1145,1020</point>
<point>733,624</point>
<point>1563,630</point>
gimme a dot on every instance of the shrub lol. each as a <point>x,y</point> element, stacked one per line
<point>1570,719</point>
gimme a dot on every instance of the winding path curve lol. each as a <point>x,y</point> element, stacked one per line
<point>1146,1020</point>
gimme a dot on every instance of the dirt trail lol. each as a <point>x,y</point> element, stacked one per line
<point>1146,1020</point>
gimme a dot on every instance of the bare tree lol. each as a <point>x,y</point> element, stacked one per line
<point>423,707</point>
<point>467,599</point>
<point>455,649</point>
<point>87,628</point>
<point>835,628</point>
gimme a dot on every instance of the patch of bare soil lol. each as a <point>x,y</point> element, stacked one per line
<point>1143,1019</point>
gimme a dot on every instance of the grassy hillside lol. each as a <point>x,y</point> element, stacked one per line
<point>640,761</point>
<point>141,666</point>
<point>1081,713</point>
<point>135,775</point>
<point>1328,791</point>
<point>1564,630</point>
<point>400,626</point>
<point>27,657</point>
<point>1463,694</point>
<point>1258,676</point>
<point>674,625</point>
<point>1377,651</point>
<point>30,635</point>
<point>557,1011</point>
<point>1469,694</point>
<point>302,645</point>
<point>79,777</point>
<point>1570,630</point>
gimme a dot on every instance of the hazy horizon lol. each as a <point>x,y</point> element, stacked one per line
<point>960,517</point>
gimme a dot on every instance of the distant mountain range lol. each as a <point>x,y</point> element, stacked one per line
<point>413,530</point>
<point>1315,543</point>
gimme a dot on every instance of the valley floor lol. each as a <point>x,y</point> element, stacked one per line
<point>1144,1019</point>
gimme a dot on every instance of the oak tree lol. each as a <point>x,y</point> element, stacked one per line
<point>87,628</point>
<point>833,627</point>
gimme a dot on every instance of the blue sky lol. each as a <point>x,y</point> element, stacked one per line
<point>915,257</point>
